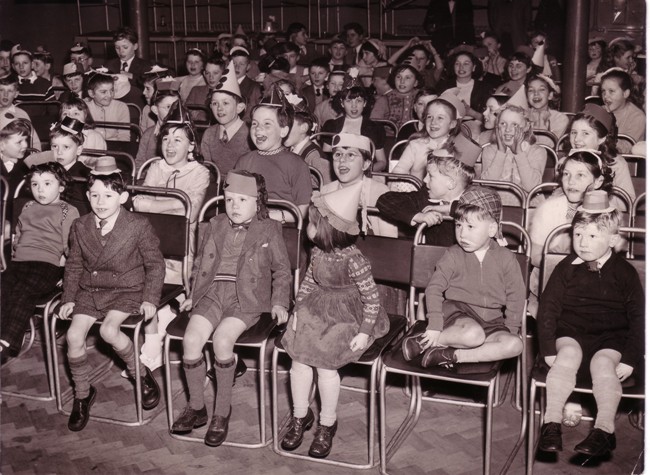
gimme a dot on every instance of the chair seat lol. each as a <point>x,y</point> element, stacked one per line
<point>484,371</point>
<point>254,335</point>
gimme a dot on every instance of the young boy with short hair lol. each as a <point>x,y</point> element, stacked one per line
<point>126,45</point>
<point>104,108</point>
<point>227,140</point>
<point>115,269</point>
<point>475,283</point>
<point>314,92</point>
<point>590,323</point>
<point>30,86</point>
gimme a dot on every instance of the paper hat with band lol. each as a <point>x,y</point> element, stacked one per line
<point>72,126</point>
<point>340,207</point>
<point>596,201</point>
<point>486,199</point>
<point>455,102</point>
<point>238,181</point>
<point>72,69</point>
<point>104,165</point>
<point>600,114</point>
<point>228,82</point>
<point>352,140</point>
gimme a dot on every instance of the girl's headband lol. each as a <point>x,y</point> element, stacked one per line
<point>590,151</point>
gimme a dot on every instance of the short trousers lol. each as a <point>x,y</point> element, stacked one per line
<point>453,310</point>
<point>221,302</point>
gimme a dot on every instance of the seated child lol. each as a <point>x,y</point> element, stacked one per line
<point>115,269</point>
<point>286,174</point>
<point>103,108</point>
<point>227,140</point>
<point>38,251</point>
<point>337,316</point>
<point>449,174</point>
<point>591,317</point>
<point>298,140</point>
<point>165,95</point>
<point>239,247</point>
<point>474,284</point>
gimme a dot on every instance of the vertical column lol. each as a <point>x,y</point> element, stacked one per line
<point>575,54</point>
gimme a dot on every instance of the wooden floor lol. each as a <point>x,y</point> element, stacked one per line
<point>447,439</point>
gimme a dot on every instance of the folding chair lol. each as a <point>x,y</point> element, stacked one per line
<point>255,337</point>
<point>390,265</point>
<point>485,375</point>
<point>633,387</point>
<point>124,160</point>
<point>173,232</point>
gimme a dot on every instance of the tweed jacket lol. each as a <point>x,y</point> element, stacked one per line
<point>263,270</point>
<point>130,265</point>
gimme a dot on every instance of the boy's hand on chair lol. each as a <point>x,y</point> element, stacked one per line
<point>623,371</point>
<point>429,338</point>
<point>66,310</point>
<point>549,360</point>
<point>148,310</point>
<point>359,342</point>
<point>280,314</point>
<point>186,305</point>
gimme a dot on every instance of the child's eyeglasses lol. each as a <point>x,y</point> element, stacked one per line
<point>347,156</point>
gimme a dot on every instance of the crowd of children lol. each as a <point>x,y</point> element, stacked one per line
<point>258,119</point>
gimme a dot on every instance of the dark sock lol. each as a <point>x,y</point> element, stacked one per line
<point>80,370</point>
<point>225,372</point>
<point>195,377</point>
<point>126,354</point>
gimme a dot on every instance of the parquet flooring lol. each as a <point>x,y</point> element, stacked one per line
<point>447,439</point>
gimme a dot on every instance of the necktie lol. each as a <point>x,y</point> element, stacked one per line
<point>224,136</point>
<point>124,66</point>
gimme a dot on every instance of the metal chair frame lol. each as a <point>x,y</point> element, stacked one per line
<point>262,441</point>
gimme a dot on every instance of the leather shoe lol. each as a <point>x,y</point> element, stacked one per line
<point>598,443</point>
<point>411,346</point>
<point>190,419</point>
<point>150,391</point>
<point>322,444</point>
<point>218,430</point>
<point>297,427</point>
<point>81,411</point>
<point>551,438</point>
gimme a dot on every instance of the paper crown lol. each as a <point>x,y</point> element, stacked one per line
<point>596,201</point>
<point>340,207</point>
<point>600,114</point>
<point>70,125</point>
<point>239,182</point>
<point>104,165</point>
<point>275,97</point>
<point>380,72</point>
<point>228,82</point>
<point>486,199</point>
<point>453,99</point>
<point>72,69</point>
<point>352,140</point>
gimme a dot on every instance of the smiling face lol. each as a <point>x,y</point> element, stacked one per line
<point>474,234</point>
<point>194,64</point>
<point>438,121</point>
<point>8,94</point>
<point>405,81</point>
<point>105,202</point>
<point>266,132</point>
<point>13,147</point>
<point>65,150</point>
<point>354,107</point>
<point>103,93</point>
<point>45,187</point>
<point>592,242</point>
<point>225,107</point>
<point>125,49</point>
<point>240,208</point>
<point>577,179</point>
<point>175,148</point>
<point>583,135</point>
<point>538,94</point>
<point>491,113</point>
<point>517,70</point>
<point>22,64</point>
<point>613,96</point>
<point>464,67</point>
<point>349,164</point>
<point>212,74</point>
<point>509,123</point>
